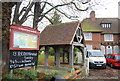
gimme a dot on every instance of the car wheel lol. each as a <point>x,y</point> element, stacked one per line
<point>111,65</point>
<point>104,67</point>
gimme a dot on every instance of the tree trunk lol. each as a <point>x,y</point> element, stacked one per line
<point>6,16</point>
<point>36,15</point>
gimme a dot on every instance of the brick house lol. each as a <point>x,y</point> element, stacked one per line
<point>102,33</point>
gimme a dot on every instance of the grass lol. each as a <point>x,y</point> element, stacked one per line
<point>50,60</point>
<point>53,72</point>
<point>41,60</point>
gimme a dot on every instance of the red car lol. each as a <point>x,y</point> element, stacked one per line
<point>113,60</point>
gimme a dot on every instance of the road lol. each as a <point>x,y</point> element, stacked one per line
<point>108,73</point>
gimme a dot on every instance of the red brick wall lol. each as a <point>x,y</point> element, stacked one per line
<point>98,38</point>
<point>95,42</point>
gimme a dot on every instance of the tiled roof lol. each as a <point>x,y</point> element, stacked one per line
<point>60,34</point>
<point>94,26</point>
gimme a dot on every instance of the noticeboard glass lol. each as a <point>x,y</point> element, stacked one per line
<point>24,40</point>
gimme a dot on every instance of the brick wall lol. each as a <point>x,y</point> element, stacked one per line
<point>98,39</point>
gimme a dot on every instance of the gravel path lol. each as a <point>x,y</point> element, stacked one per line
<point>108,73</point>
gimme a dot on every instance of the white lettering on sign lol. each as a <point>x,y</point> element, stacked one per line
<point>27,30</point>
<point>20,59</point>
<point>29,64</point>
<point>24,54</point>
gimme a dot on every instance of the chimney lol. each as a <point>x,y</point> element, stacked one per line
<point>92,16</point>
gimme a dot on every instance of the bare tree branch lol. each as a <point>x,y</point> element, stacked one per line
<point>86,2</point>
<point>55,7</point>
<point>49,19</point>
<point>16,13</point>
<point>26,13</point>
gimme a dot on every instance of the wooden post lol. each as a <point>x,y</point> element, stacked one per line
<point>63,57</point>
<point>71,58</point>
<point>83,55</point>
<point>46,56</point>
<point>57,56</point>
<point>11,73</point>
<point>68,56</point>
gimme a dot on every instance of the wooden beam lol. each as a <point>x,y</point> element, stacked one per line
<point>57,56</point>
<point>71,56</point>
<point>46,56</point>
<point>71,74</point>
<point>63,57</point>
<point>78,44</point>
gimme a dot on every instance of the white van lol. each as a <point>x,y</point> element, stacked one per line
<point>96,59</point>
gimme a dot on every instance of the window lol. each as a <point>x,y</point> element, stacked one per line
<point>109,49</point>
<point>108,56</point>
<point>88,36</point>
<point>79,32</point>
<point>79,36</point>
<point>106,25</point>
<point>102,49</point>
<point>89,47</point>
<point>108,37</point>
<point>112,57</point>
<point>116,49</point>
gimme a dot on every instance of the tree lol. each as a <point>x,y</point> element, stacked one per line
<point>6,16</point>
<point>43,8</point>
<point>55,18</point>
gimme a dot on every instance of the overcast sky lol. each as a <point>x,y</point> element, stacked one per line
<point>110,9</point>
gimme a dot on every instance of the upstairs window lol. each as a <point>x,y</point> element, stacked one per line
<point>106,25</point>
<point>88,36</point>
<point>108,37</point>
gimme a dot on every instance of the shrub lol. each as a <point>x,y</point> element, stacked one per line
<point>9,76</point>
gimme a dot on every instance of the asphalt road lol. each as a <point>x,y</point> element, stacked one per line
<point>108,73</point>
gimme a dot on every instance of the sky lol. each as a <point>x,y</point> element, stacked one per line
<point>110,9</point>
<point>106,9</point>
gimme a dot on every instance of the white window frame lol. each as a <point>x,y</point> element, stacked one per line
<point>109,49</point>
<point>116,49</point>
<point>108,35</point>
<point>103,49</point>
<point>106,25</point>
<point>89,47</point>
<point>88,36</point>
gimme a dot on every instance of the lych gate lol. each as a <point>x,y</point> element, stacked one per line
<point>65,36</point>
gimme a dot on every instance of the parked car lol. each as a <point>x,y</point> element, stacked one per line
<point>113,60</point>
<point>96,59</point>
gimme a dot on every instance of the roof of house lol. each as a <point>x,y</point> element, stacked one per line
<point>94,26</point>
<point>60,34</point>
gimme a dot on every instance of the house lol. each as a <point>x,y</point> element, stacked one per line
<point>102,33</point>
<point>65,36</point>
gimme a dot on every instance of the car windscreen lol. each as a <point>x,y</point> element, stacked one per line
<point>95,54</point>
<point>117,57</point>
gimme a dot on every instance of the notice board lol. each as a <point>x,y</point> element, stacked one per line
<point>24,38</point>
<point>24,46</point>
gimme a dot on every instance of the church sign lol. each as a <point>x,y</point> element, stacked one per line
<point>24,46</point>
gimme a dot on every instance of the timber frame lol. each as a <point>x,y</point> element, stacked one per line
<point>76,41</point>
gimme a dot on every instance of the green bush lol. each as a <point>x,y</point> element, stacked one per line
<point>25,74</point>
<point>19,71</point>
<point>51,51</point>
<point>30,74</point>
<point>9,76</point>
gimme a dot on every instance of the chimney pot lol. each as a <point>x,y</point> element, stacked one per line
<point>92,15</point>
